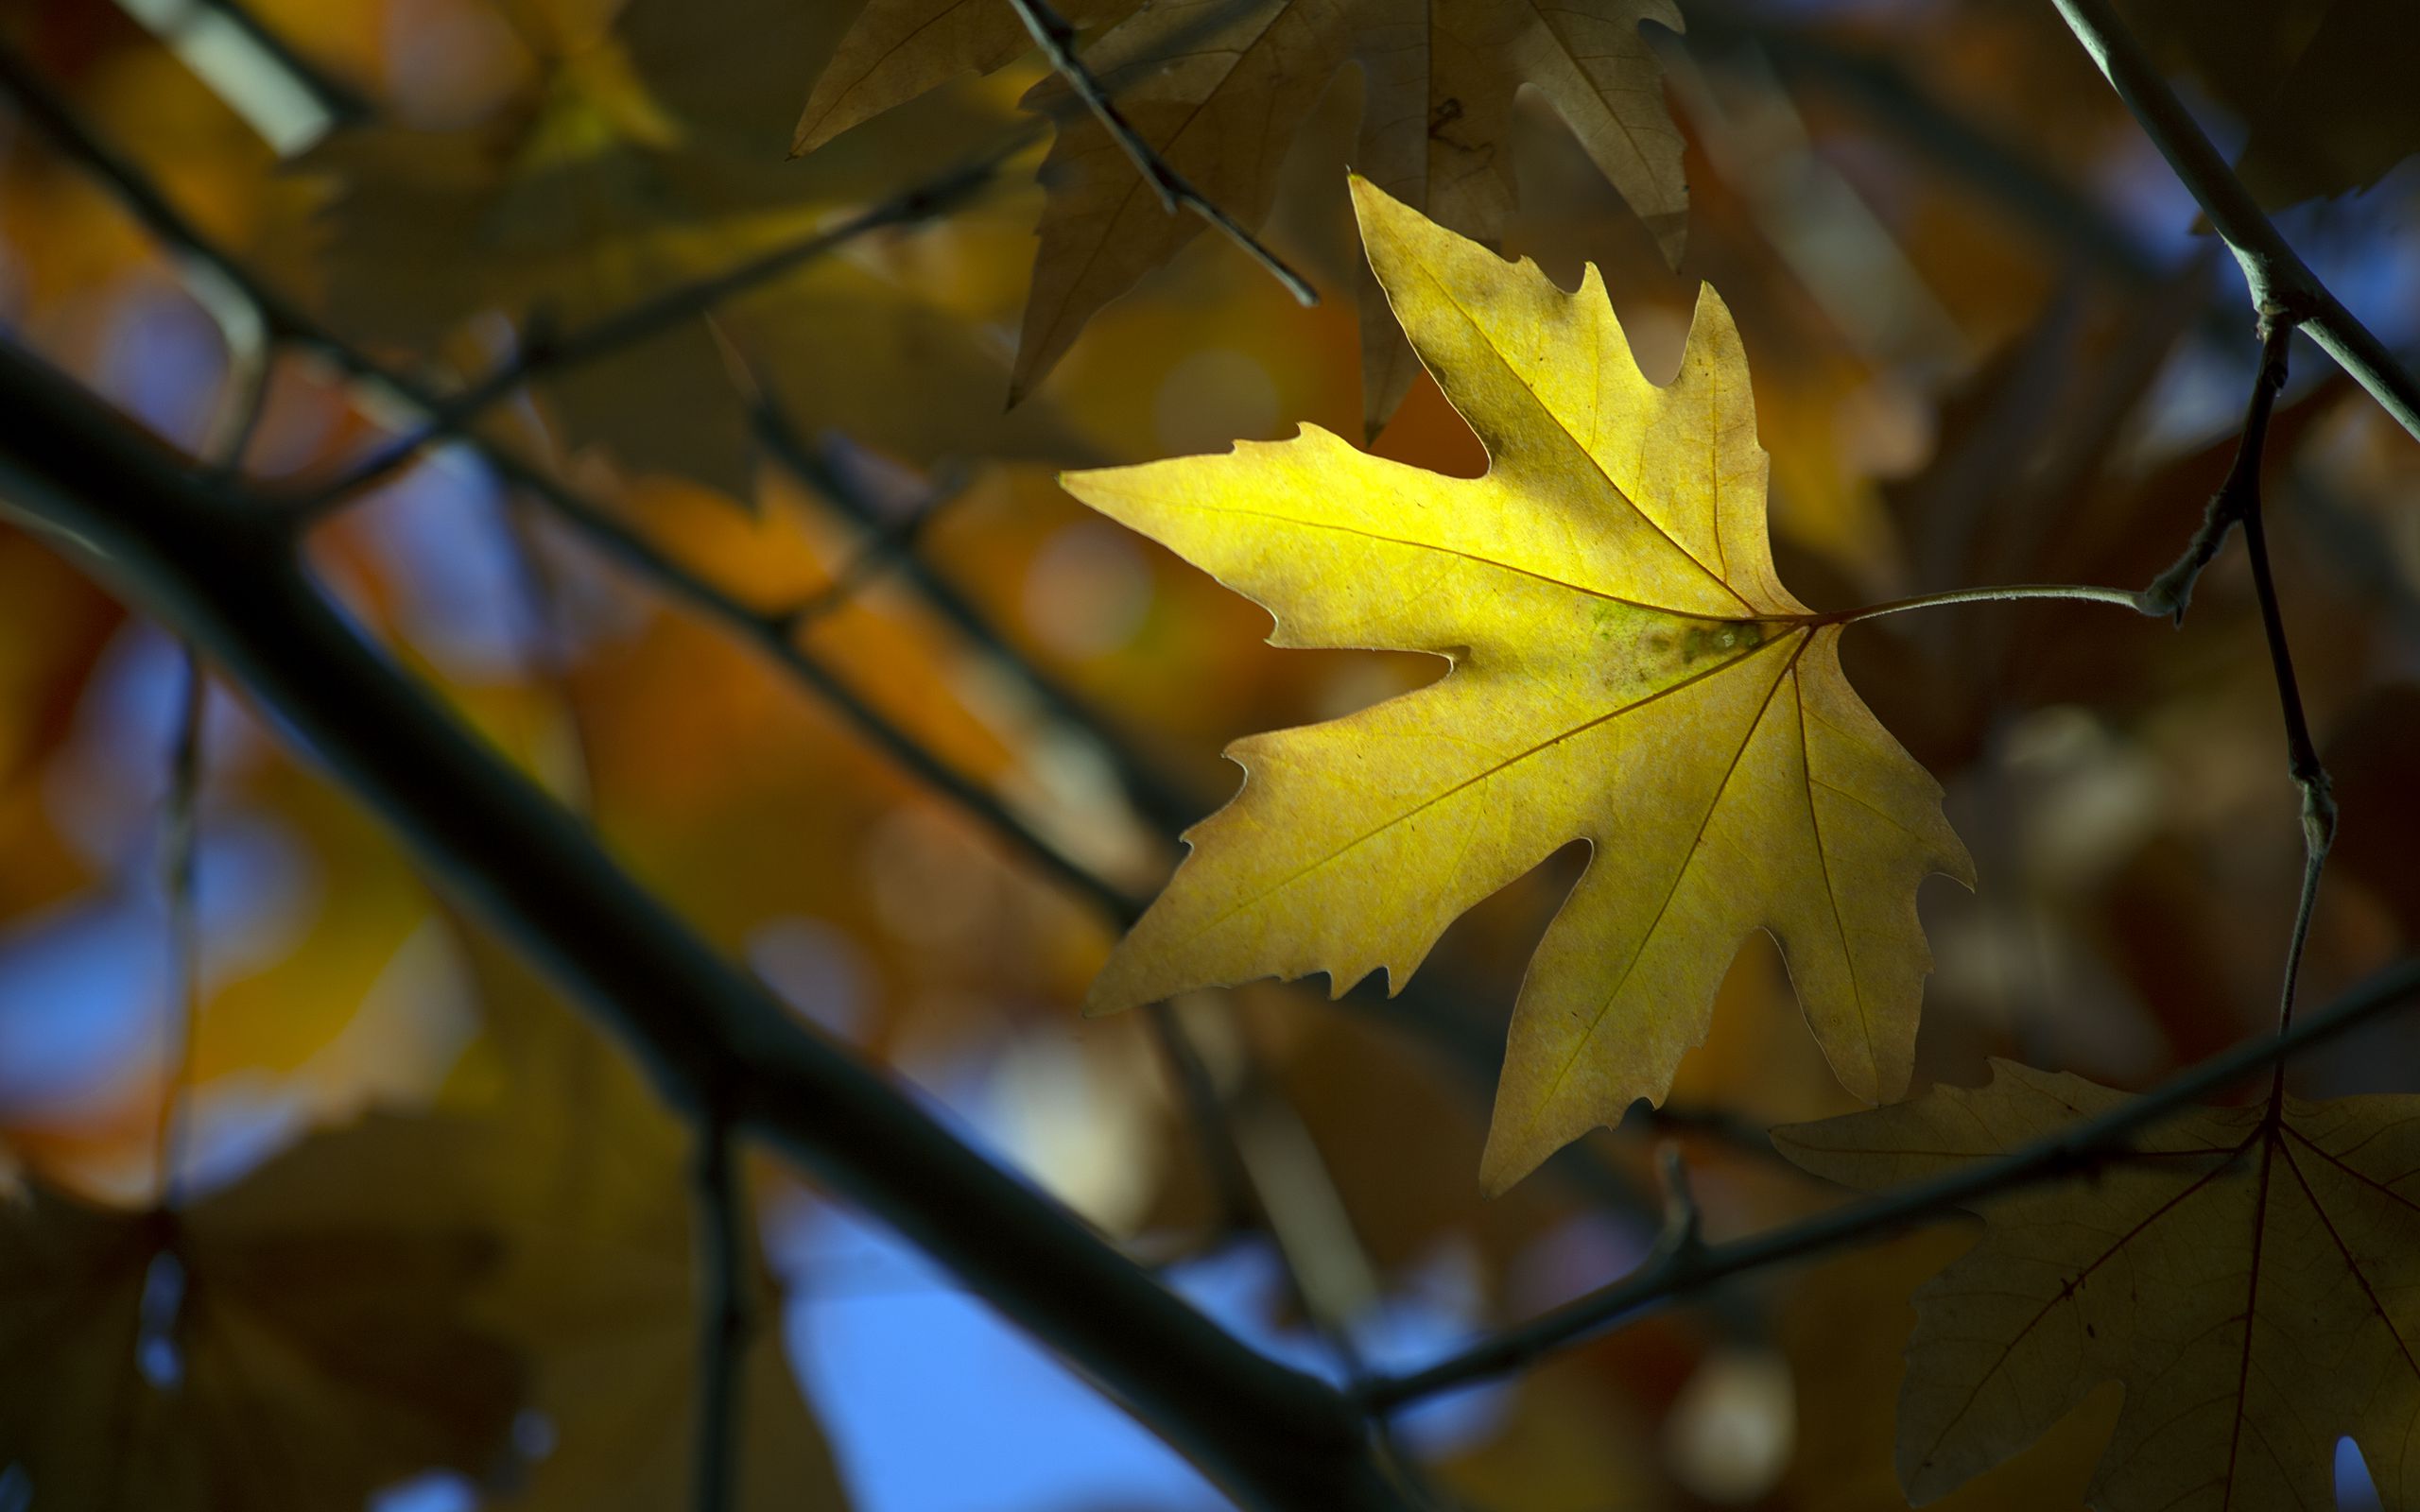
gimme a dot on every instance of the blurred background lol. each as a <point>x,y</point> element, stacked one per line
<point>1989,345</point>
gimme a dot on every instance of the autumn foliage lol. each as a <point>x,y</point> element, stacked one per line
<point>842,463</point>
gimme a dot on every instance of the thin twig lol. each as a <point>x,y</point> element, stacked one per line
<point>2302,753</point>
<point>2239,502</point>
<point>1162,804</point>
<point>726,1322</point>
<point>340,102</point>
<point>1213,1131</point>
<point>541,354</point>
<point>2238,498</point>
<point>2071,1152</point>
<point>1052,33</point>
<point>885,547</point>
<point>177,878</point>
<point>239,419</point>
<point>2277,276</point>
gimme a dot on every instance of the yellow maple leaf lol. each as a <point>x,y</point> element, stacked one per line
<point>1222,90</point>
<point>1628,670</point>
<point>2253,1280</point>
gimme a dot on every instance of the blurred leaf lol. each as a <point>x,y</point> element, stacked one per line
<point>2370,757</point>
<point>589,195</point>
<point>2321,86</point>
<point>1222,89</point>
<point>898,49</point>
<point>602,1288</point>
<point>1571,1446</point>
<point>305,1345</point>
<point>2250,1276</point>
<point>1846,1330</point>
<point>1572,583</point>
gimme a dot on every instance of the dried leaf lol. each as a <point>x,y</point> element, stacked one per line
<point>304,1345</point>
<point>2253,1280</point>
<point>1222,90</point>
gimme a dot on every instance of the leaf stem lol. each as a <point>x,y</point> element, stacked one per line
<point>2082,592</point>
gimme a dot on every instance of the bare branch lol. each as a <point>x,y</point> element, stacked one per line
<point>726,1323</point>
<point>2302,754</point>
<point>207,561</point>
<point>2074,1151</point>
<point>1165,805</point>
<point>2277,277</point>
<point>177,874</point>
<point>2239,502</point>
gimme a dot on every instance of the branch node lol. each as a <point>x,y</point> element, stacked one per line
<point>2319,811</point>
<point>1683,1238</point>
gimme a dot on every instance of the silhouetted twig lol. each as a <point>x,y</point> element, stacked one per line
<point>2076,1150</point>
<point>726,1322</point>
<point>1056,40</point>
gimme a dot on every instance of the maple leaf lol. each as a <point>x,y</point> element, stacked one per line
<point>1627,670</point>
<point>2252,1275</point>
<point>304,1346</point>
<point>1221,89</point>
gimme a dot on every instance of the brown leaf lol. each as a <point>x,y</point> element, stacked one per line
<point>2252,1275</point>
<point>590,195</point>
<point>602,1288</point>
<point>317,1343</point>
<point>1222,89</point>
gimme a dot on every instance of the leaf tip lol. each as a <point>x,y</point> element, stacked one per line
<point>1507,1162</point>
<point>1109,996</point>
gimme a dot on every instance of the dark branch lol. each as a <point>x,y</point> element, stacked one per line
<point>209,562</point>
<point>1162,803</point>
<point>2302,753</point>
<point>2074,1151</point>
<point>725,1320</point>
<point>177,874</point>
<point>2239,502</point>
